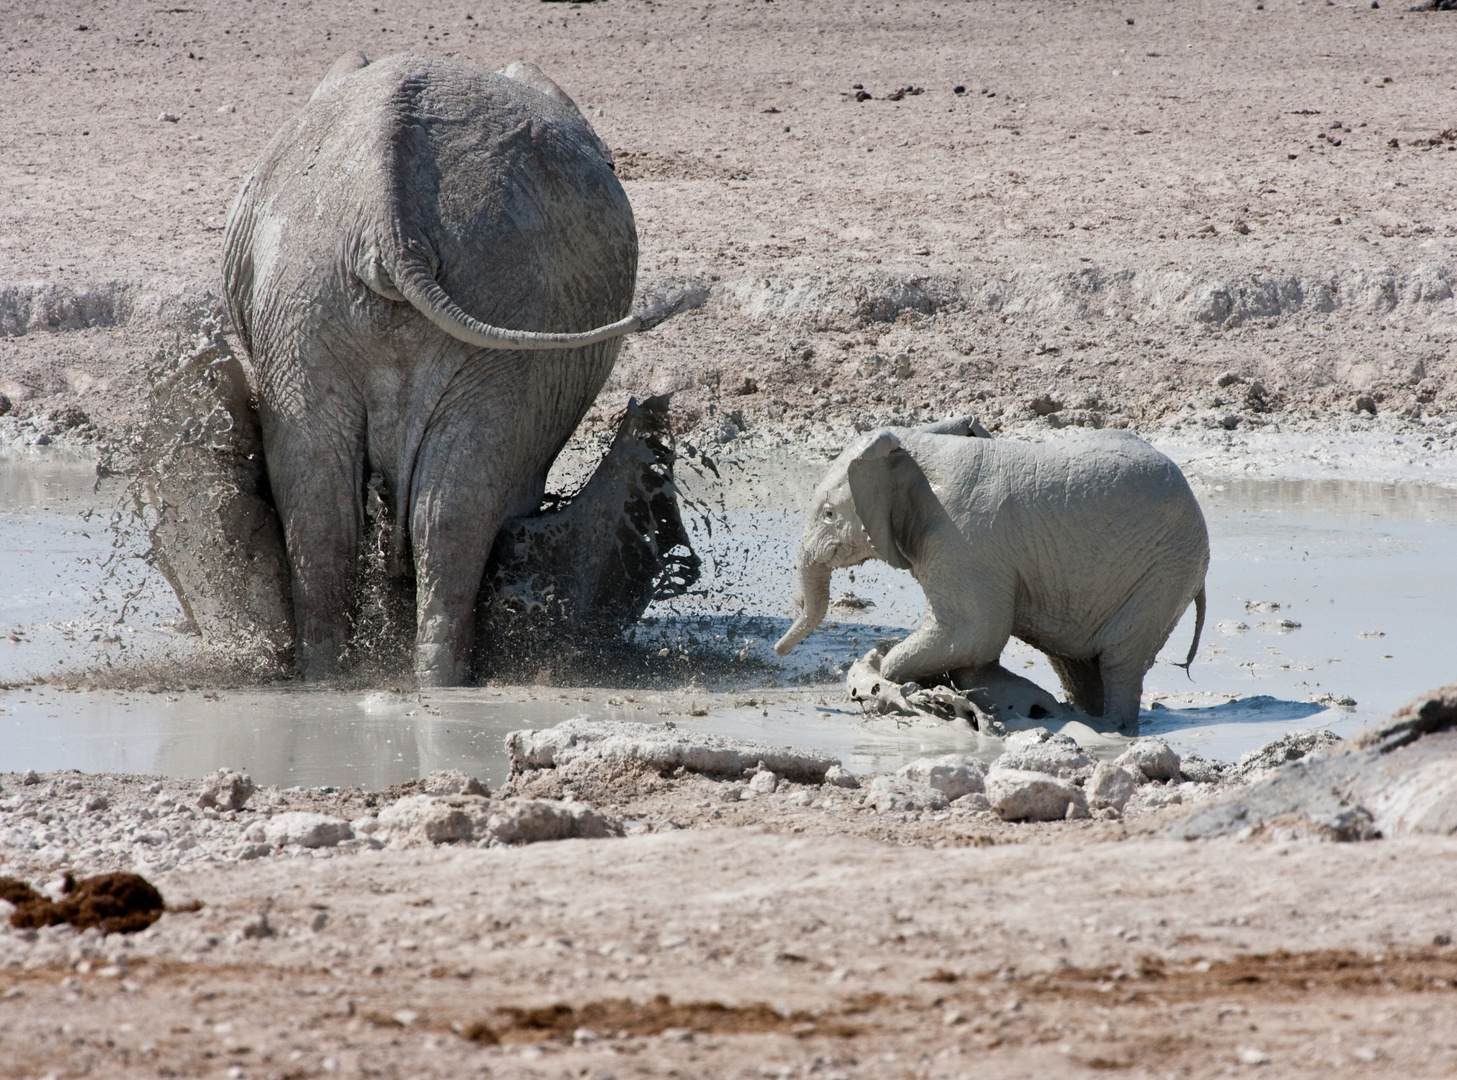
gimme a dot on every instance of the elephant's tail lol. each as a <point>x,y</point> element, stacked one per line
<point>424,293</point>
<point>1198,630</point>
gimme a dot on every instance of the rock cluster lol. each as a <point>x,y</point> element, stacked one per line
<point>153,826</point>
<point>1046,777</point>
<point>1396,780</point>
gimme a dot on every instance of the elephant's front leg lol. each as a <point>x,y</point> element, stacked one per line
<point>964,635</point>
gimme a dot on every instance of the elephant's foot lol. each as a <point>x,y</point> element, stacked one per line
<point>436,665</point>
<point>318,661</point>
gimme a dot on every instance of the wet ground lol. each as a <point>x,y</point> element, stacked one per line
<point>1367,571</point>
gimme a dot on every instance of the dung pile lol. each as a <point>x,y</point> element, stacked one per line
<point>116,903</point>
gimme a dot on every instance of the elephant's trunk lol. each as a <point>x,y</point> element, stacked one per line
<point>813,601</point>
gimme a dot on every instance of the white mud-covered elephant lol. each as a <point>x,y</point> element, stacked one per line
<point>432,268</point>
<point>1088,548</point>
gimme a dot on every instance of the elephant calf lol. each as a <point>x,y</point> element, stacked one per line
<point>1089,549</point>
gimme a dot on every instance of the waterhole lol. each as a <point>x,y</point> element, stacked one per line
<point>1320,593</point>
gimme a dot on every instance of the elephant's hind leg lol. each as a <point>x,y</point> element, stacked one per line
<point>1082,681</point>
<point>316,471</point>
<point>1122,691</point>
<point>460,496</point>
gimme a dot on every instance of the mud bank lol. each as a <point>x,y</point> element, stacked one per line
<point>794,926</point>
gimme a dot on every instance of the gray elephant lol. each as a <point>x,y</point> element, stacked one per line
<point>431,267</point>
<point>1089,548</point>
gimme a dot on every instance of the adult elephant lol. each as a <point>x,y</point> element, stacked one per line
<point>432,268</point>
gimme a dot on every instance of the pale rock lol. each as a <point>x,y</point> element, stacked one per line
<point>306,829</point>
<point>246,851</point>
<point>1292,746</point>
<point>1152,758</point>
<point>226,790</point>
<point>838,776</point>
<point>954,775</point>
<point>581,746</point>
<point>1110,786</point>
<point>975,801</point>
<point>30,776</point>
<point>898,793</point>
<point>452,782</point>
<point>1156,798</point>
<point>434,819</point>
<point>764,782</point>
<point>529,821</point>
<point>1023,795</point>
<point>1194,768</point>
<point>95,803</point>
<point>1056,755</point>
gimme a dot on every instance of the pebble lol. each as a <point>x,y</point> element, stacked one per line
<point>764,782</point>
<point>433,819</point>
<point>1152,758</point>
<point>1110,786</point>
<point>1057,756</point>
<point>898,793</point>
<point>168,118</point>
<point>306,829</point>
<point>529,821</point>
<point>452,782</point>
<point>226,790</point>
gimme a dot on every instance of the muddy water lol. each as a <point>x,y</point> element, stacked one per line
<point>1368,571</point>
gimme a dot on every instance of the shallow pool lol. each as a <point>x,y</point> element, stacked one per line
<point>1367,571</point>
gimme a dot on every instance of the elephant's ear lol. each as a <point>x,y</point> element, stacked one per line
<point>527,73</point>
<point>961,425</point>
<point>873,487</point>
<point>342,68</point>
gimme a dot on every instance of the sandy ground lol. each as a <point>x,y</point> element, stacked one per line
<point>757,942</point>
<point>1127,201</point>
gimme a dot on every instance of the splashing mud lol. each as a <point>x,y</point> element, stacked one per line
<point>569,582</point>
<point>202,490</point>
<point>562,589</point>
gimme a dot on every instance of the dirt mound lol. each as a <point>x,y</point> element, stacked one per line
<point>116,903</point>
<point>656,1017</point>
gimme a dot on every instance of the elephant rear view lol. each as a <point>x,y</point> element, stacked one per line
<point>432,268</point>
